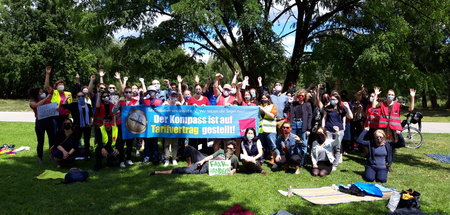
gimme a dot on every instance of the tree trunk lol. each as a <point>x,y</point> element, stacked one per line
<point>424,100</point>
<point>447,105</point>
<point>433,99</point>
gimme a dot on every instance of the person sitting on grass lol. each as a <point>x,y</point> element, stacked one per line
<point>322,152</point>
<point>288,149</point>
<point>106,149</point>
<point>252,152</point>
<point>380,156</point>
<point>199,166</point>
<point>63,152</point>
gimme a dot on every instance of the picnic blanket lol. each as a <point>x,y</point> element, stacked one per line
<point>50,174</point>
<point>330,196</point>
<point>440,157</point>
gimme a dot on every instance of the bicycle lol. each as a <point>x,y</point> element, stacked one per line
<point>413,136</point>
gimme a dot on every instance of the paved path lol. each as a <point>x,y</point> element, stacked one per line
<point>427,127</point>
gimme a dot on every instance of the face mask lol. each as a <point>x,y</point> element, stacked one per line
<point>43,95</point>
<point>111,90</point>
<point>247,97</point>
<point>371,99</point>
<point>265,101</point>
<point>60,87</point>
<point>301,98</point>
<point>81,100</point>
<point>135,91</point>
<point>226,93</point>
<point>85,93</point>
<point>233,91</point>
<point>379,139</point>
<point>278,88</point>
<point>325,100</point>
<point>285,131</point>
<point>128,95</point>
<point>108,125</point>
<point>67,126</point>
<point>158,87</point>
<point>333,102</point>
<point>198,92</point>
<point>390,98</point>
<point>152,94</point>
<point>253,95</point>
<point>173,98</point>
<point>106,99</point>
<point>187,97</point>
<point>250,136</point>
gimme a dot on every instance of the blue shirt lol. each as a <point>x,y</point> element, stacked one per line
<point>279,102</point>
<point>293,146</point>
<point>334,118</point>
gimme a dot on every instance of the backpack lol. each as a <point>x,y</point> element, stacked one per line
<point>75,175</point>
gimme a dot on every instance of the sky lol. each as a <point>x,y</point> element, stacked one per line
<point>288,41</point>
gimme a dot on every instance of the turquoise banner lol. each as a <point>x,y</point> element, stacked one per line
<point>182,121</point>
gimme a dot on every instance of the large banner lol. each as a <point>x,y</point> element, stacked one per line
<point>183,121</point>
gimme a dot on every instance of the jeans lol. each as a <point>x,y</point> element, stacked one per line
<point>337,149</point>
<point>151,149</point>
<point>268,141</point>
<point>373,173</point>
<point>297,130</point>
<point>42,126</point>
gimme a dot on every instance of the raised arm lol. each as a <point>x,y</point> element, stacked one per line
<point>260,81</point>
<point>97,103</point>
<point>412,93</point>
<point>180,93</point>
<point>101,73</point>
<point>91,84</point>
<point>234,80</point>
<point>375,99</point>
<point>206,87</point>
<point>318,102</point>
<point>48,70</point>
<point>216,84</point>
<point>361,137</point>
<point>143,84</point>
<point>239,93</point>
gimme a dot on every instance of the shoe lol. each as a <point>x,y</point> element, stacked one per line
<point>129,162</point>
<point>166,163</point>
<point>334,168</point>
<point>122,165</point>
<point>146,160</point>
<point>390,169</point>
<point>138,154</point>
<point>174,162</point>
<point>275,166</point>
<point>152,173</point>
<point>297,171</point>
<point>340,159</point>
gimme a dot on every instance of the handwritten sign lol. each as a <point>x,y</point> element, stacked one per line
<point>219,167</point>
<point>48,110</point>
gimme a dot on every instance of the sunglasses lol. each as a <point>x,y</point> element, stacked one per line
<point>112,88</point>
<point>128,92</point>
<point>102,88</point>
<point>286,127</point>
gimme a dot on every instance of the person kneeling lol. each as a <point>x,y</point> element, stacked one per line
<point>288,149</point>
<point>64,150</point>
<point>381,153</point>
<point>322,152</point>
<point>199,166</point>
<point>106,149</point>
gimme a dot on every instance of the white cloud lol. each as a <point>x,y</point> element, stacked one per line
<point>288,43</point>
<point>123,32</point>
<point>204,58</point>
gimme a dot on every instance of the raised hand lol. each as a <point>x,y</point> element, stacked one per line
<point>166,82</point>
<point>236,72</point>
<point>101,72</point>
<point>412,92</point>
<point>48,69</point>
<point>179,79</point>
<point>219,76</point>
<point>141,79</point>
<point>259,79</point>
<point>125,78</point>
<point>92,77</point>
<point>77,76</point>
<point>197,79</point>
<point>377,91</point>
<point>117,75</point>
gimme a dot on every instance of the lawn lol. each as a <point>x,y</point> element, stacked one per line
<point>131,191</point>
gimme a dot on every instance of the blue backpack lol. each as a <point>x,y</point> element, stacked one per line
<point>75,175</point>
<point>369,189</point>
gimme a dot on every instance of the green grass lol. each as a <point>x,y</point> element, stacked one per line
<point>14,105</point>
<point>131,191</point>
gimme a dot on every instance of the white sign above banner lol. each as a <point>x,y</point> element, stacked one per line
<point>48,110</point>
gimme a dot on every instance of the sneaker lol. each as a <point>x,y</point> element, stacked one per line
<point>146,160</point>
<point>122,165</point>
<point>334,168</point>
<point>129,162</point>
<point>166,163</point>
<point>297,171</point>
<point>174,162</point>
<point>275,166</point>
<point>340,159</point>
<point>138,154</point>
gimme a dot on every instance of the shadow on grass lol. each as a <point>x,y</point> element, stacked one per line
<point>414,160</point>
<point>109,191</point>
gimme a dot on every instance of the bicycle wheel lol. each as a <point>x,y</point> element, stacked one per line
<point>413,137</point>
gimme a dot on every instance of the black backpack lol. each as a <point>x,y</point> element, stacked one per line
<point>75,175</point>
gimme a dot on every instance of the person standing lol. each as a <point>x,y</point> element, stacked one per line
<point>38,98</point>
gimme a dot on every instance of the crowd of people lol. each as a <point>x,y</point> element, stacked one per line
<point>299,126</point>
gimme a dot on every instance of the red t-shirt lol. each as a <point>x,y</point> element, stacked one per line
<point>202,101</point>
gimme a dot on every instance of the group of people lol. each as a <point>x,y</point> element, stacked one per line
<point>293,124</point>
